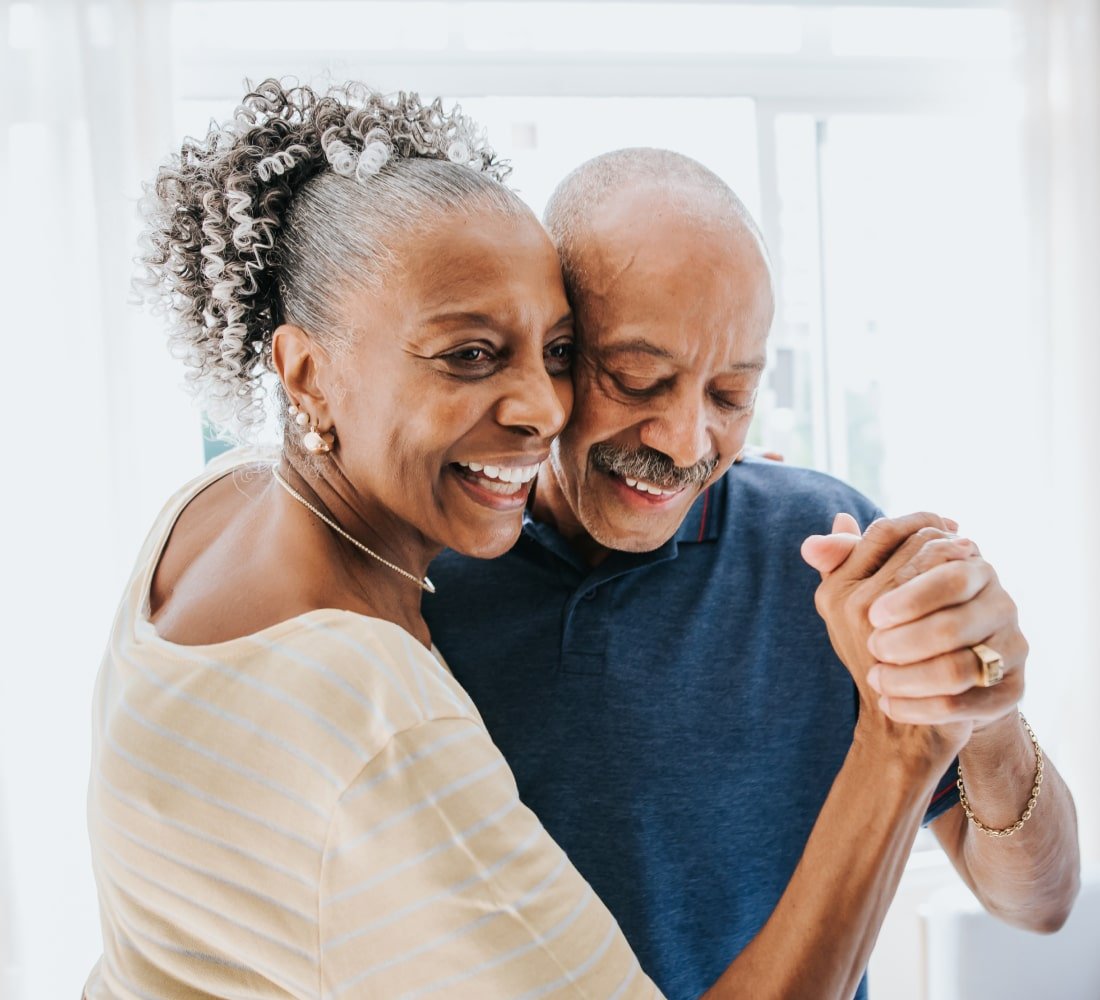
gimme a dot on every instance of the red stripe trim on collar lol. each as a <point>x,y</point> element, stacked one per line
<point>703,519</point>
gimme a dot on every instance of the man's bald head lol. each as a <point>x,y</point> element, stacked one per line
<point>674,183</point>
<point>672,301</point>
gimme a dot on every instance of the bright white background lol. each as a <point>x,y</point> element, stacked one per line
<point>927,180</point>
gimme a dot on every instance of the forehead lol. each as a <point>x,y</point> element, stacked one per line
<point>486,253</point>
<point>481,260</point>
<point>677,270</point>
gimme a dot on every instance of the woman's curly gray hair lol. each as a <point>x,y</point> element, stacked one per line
<point>266,219</point>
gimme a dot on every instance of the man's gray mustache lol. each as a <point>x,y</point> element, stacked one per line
<point>650,466</point>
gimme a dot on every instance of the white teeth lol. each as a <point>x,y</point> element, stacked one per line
<point>504,489</point>
<point>642,487</point>
<point>516,474</point>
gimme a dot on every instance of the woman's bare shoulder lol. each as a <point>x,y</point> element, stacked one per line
<point>225,572</point>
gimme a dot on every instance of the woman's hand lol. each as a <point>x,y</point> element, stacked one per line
<point>858,571</point>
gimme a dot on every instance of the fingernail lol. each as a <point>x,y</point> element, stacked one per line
<point>951,523</point>
<point>884,705</point>
<point>873,676</point>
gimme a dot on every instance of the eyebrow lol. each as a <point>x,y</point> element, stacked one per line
<point>642,346</point>
<point>484,319</point>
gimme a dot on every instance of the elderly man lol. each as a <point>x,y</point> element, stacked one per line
<point>650,660</point>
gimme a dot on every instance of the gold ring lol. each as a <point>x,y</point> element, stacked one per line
<point>993,667</point>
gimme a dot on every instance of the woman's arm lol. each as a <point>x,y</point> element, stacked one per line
<point>437,878</point>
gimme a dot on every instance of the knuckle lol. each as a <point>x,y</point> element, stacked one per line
<point>957,578</point>
<point>855,604</point>
<point>881,531</point>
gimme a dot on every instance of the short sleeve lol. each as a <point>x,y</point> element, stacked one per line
<point>437,882</point>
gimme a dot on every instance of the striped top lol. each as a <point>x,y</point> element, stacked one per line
<point>316,810</point>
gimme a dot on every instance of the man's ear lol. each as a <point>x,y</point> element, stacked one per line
<point>299,361</point>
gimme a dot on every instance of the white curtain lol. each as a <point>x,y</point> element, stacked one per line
<point>97,437</point>
<point>1062,39</point>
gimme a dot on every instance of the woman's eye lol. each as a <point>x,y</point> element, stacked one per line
<point>474,360</point>
<point>559,357</point>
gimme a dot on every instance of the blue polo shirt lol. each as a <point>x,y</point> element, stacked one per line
<point>675,718</point>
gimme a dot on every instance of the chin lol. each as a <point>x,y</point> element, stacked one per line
<point>487,545</point>
<point>625,540</point>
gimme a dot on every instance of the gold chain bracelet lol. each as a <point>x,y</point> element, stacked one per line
<point>1008,831</point>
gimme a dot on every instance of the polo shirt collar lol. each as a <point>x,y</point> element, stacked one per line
<point>703,522</point>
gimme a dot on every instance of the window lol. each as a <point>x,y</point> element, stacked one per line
<point>876,144</point>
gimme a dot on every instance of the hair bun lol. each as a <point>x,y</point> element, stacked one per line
<point>211,250</point>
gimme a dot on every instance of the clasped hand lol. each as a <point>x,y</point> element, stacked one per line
<point>904,603</point>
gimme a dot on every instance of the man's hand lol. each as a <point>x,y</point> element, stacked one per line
<point>943,600</point>
<point>948,599</point>
<point>857,572</point>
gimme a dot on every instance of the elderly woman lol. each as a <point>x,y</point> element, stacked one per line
<point>290,795</point>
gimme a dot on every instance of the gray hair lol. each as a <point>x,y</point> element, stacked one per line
<point>274,215</point>
<point>691,186</point>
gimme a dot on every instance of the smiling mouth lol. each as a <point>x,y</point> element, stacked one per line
<point>503,481</point>
<point>645,490</point>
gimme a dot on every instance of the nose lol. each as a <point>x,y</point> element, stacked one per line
<point>534,403</point>
<point>679,429</point>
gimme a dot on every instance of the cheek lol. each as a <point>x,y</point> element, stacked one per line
<point>595,417</point>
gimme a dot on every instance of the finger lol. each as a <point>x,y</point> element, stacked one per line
<point>758,452</point>
<point>937,551</point>
<point>827,552</point>
<point>844,523</point>
<point>978,705</point>
<point>990,612</point>
<point>883,539</point>
<point>942,586</point>
<point>948,674</point>
<point>882,579</point>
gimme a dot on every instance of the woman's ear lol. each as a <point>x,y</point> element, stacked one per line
<point>298,361</point>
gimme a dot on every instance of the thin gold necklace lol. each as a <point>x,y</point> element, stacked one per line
<point>422,582</point>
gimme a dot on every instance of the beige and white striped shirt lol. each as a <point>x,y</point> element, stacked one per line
<point>317,810</point>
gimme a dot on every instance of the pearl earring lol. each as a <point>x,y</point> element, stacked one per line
<point>313,440</point>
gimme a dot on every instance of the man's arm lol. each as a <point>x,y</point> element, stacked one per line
<point>1031,877</point>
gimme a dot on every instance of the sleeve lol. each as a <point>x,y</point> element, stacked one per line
<point>945,796</point>
<point>437,881</point>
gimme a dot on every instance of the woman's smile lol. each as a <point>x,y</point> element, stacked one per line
<point>500,484</point>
